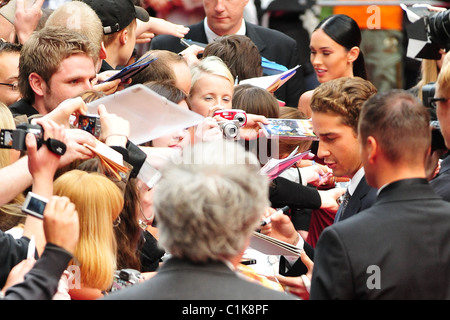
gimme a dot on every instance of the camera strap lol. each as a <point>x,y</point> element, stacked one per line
<point>56,146</point>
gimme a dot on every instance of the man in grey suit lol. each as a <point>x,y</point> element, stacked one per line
<point>207,206</point>
<point>398,248</point>
<point>227,17</point>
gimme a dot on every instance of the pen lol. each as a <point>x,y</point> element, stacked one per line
<point>267,220</point>
<point>184,43</point>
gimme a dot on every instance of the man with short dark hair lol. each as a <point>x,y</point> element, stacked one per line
<point>55,64</point>
<point>398,248</point>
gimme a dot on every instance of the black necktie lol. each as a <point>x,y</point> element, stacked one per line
<point>342,207</point>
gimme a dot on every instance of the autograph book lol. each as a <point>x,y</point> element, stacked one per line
<point>111,160</point>
<point>274,167</point>
<point>271,246</point>
<point>132,69</point>
<point>273,82</point>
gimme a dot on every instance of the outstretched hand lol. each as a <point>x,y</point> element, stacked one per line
<point>299,286</point>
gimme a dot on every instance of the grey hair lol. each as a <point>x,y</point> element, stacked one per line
<point>208,204</point>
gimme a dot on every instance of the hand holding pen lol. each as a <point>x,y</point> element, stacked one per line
<point>267,220</point>
<point>280,226</point>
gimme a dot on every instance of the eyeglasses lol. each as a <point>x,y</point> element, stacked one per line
<point>3,3</point>
<point>433,101</point>
<point>14,86</point>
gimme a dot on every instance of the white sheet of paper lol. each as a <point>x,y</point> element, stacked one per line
<point>150,115</point>
<point>9,10</point>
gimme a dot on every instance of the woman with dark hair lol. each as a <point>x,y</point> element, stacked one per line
<point>335,53</point>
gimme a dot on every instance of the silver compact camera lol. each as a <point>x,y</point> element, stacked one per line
<point>229,128</point>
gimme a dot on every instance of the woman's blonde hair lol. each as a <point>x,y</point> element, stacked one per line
<point>98,202</point>
<point>210,65</point>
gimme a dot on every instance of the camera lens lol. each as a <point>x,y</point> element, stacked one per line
<point>439,24</point>
<point>241,118</point>
<point>230,130</point>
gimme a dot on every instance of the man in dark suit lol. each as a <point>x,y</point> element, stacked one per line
<point>226,17</point>
<point>207,206</point>
<point>398,248</point>
<point>336,105</point>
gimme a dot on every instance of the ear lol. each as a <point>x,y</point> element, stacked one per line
<point>123,36</point>
<point>353,54</point>
<point>103,54</point>
<point>37,83</point>
<point>371,149</point>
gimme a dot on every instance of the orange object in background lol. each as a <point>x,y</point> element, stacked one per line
<point>391,17</point>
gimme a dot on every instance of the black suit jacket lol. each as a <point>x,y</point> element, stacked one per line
<point>272,44</point>
<point>399,248</point>
<point>363,197</point>
<point>182,280</point>
<point>22,107</point>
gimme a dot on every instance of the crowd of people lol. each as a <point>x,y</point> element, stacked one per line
<point>367,205</point>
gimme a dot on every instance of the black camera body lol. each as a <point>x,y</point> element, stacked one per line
<point>15,139</point>
<point>438,28</point>
<point>437,140</point>
<point>428,91</point>
<point>430,33</point>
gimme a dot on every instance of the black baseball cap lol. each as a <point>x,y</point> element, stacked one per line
<point>117,14</point>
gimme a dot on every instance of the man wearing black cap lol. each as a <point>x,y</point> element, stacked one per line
<point>119,27</point>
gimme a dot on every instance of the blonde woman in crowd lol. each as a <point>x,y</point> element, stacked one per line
<point>98,201</point>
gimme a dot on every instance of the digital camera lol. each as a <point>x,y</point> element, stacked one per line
<point>90,123</point>
<point>125,278</point>
<point>15,139</point>
<point>431,33</point>
<point>437,139</point>
<point>233,114</point>
<point>229,128</point>
<point>35,205</point>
